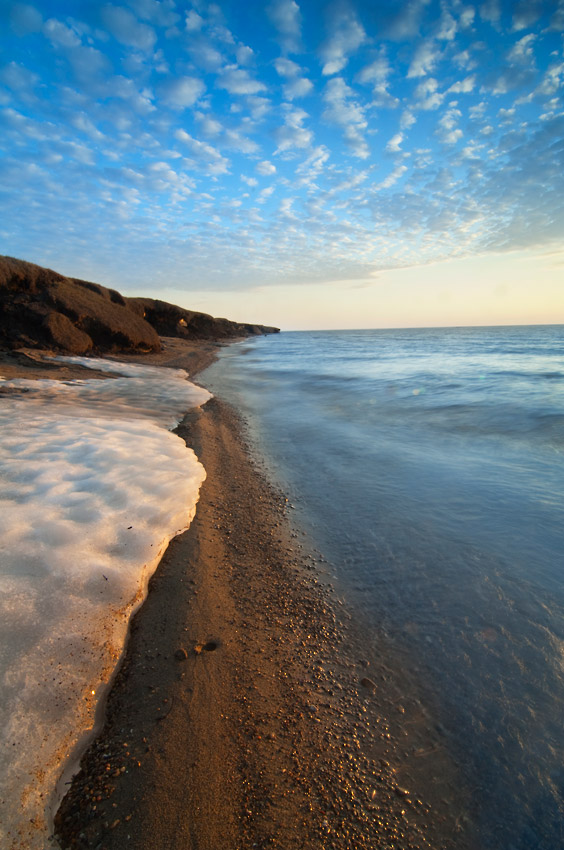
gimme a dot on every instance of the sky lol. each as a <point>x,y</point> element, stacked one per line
<point>304,164</point>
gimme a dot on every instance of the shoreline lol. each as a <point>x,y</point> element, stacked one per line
<point>249,710</point>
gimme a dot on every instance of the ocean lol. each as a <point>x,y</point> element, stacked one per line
<point>427,467</point>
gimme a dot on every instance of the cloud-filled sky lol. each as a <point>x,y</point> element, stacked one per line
<point>285,152</point>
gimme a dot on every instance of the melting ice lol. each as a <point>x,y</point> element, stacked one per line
<point>92,488</point>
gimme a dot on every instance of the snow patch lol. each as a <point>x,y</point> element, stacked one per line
<point>92,488</point>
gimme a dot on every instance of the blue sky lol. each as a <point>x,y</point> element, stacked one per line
<point>286,153</point>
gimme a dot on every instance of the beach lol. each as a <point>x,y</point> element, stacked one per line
<point>249,709</point>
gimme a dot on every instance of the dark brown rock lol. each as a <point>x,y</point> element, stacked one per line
<point>170,320</point>
<point>43,309</point>
<point>181,654</point>
<point>65,335</point>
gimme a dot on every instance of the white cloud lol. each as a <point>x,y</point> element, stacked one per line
<point>287,68</point>
<point>478,109</point>
<point>204,54</point>
<point>238,81</point>
<point>285,208</point>
<point>244,54</point>
<point>447,130</point>
<point>300,87</point>
<point>425,59</point>
<point>181,92</point>
<point>258,107</point>
<point>59,33</point>
<point>472,151</point>
<point>407,119</point>
<point>452,137</point>
<point>394,144</point>
<point>194,22</point>
<point>426,95</point>
<point>377,72</point>
<point>392,178</point>
<point>522,52</point>
<point>463,86</point>
<point>264,194</point>
<point>465,60</point>
<point>467,16</point>
<point>84,125</point>
<point>286,17</point>
<point>18,78</point>
<point>125,27</point>
<point>125,88</point>
<point>237,141</point>
<point>265,168</point>
<point>250,181</point>
<point>383,98</point>
<point>506,116</point>
<point>159,12</point>
<point>292,134</point>
<point>447,26</point>
<point>311,167</point>
<point>160,177</point>
<point>204,153</point>
<point>208,126</point>
<point>347,36</point>
<point>297,86</point>
<point>552,80</point>
<point>341,109</point>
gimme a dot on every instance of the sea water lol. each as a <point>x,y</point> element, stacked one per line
<point>428,465</point>
<point>92,487</point>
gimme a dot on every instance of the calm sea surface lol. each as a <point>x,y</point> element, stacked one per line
<point>429,467</point>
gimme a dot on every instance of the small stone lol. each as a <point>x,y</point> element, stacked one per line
<point>181,654</point>
<point>368,683</point>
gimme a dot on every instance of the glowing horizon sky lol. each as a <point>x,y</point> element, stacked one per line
<point>304,164</point>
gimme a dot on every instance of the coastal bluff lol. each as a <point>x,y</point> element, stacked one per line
<point>40,308</point>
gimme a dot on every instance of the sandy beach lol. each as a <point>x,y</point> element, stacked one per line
<point>249,710</point>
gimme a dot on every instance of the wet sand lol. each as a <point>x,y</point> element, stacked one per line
<point>250,710</point>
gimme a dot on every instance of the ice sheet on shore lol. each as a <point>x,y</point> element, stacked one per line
<point>92,488</point>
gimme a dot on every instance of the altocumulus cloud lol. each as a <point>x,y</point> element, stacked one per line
<point>212,145</point>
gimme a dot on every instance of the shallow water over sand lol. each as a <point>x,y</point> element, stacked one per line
<point>427,465</point>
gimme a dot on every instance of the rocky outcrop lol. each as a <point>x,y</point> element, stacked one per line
<point>170,320</point>
<point>43,309</point>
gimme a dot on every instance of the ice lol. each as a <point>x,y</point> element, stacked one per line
<point>92,488</point>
